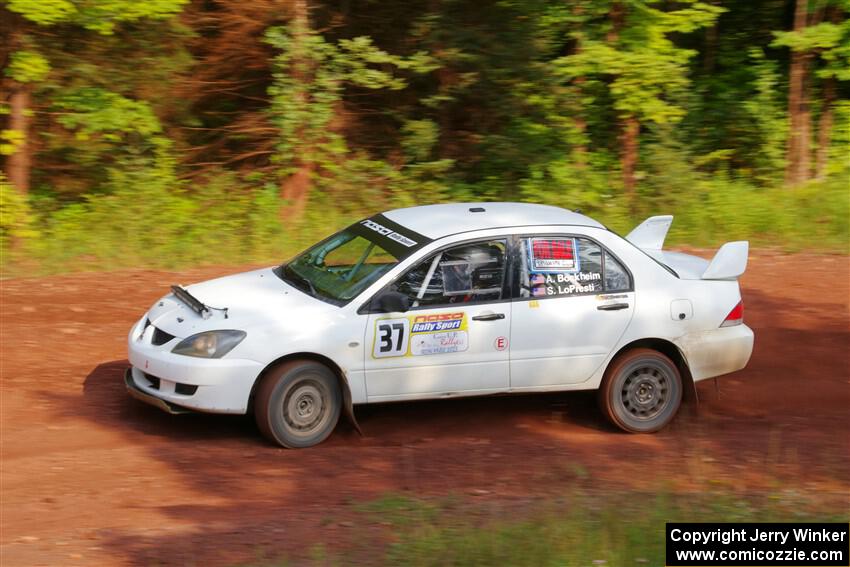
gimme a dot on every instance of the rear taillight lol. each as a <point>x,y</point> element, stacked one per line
<point>735,317</point>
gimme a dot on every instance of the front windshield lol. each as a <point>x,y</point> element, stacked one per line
<point>340,267</point>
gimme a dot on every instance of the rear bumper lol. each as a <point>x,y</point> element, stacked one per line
<point>716,352</point>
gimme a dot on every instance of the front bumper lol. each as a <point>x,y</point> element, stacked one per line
<point>143,396</point>
<point>175,383</point>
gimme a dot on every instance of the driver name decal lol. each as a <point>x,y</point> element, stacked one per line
<point>543,285</point>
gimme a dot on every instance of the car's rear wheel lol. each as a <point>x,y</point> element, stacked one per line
<point>641,391</point>
<point>297,404</point>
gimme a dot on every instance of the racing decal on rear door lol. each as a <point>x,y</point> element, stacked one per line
<point>550,255</point>
<point>420,335</point>
<point>554,268</point>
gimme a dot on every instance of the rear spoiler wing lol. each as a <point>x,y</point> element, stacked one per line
<point>650,234</point>
<point>728,263</point>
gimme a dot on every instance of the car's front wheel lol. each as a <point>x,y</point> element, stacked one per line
<point>297,404</point>
<point>641,391</point>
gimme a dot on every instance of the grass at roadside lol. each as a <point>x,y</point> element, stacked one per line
<point>583,529</point>
<point>145,225</point>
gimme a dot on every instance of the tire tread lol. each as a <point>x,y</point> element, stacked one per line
<point>604,395</point>
<point>265,391</point>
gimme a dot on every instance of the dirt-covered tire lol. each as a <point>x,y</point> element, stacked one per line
<point>641,391</point>
<point>297,404</point>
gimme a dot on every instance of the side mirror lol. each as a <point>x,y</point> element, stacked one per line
<point>391,302</point>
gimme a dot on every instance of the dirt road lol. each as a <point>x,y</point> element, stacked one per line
<point>92,477</point>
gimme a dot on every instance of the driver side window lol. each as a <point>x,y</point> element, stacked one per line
<point>469,272</point>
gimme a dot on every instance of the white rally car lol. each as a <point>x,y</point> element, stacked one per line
<point>448,300</point>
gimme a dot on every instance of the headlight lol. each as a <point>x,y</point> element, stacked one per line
<point>210,344</point>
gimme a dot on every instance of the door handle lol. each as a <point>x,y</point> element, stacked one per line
<point>489,317</point>
<point>613,306</point>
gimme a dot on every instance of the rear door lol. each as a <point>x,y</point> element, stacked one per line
<point>454,339</point>
<point>574,299</point>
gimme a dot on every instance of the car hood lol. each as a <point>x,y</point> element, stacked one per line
<point>240,301</point>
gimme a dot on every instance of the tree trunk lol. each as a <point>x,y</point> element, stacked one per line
<point>710,50</point>
<point>797,168</point>
<point>19,164</point>
<point>804,169</point>
<point>580,151</point>
<point>295,189</point>
<point>446,78</point>
<point>577,110</point>
<point>630,126</point>
<point>631,130</point>
<point>580,124</point>
<point>825,127</point>
<point>617,15</point>
<point>835,15</point>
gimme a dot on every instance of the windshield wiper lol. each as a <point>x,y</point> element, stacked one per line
<point>293,275</point>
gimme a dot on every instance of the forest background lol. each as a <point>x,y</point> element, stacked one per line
<point>166,133</point>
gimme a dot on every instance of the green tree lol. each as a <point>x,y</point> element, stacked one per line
<point>310,75</point>
<point>26,68</point>
<point>814,42</point>
<point>29,66</point>
<point>627,46</point>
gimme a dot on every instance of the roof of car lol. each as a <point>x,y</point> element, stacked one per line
<point>437,221</point>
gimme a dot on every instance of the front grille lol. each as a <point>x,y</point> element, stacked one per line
<point>160,337</point>
<point>179,388</point>
<point>185,389</point>
<point>153,380</point>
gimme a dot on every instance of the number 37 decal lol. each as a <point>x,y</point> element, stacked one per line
<point>391,337</point>
<point>418,335</point>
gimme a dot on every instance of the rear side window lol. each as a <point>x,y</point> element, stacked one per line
<point>562,266</point>
<point>616,276</point>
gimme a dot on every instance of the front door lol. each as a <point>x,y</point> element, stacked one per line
<point>455,337</point>
<point>575,301</point>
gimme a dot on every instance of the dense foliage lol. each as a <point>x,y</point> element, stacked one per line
<point>160,132</point>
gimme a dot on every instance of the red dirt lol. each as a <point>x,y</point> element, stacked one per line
<point>90,476</point>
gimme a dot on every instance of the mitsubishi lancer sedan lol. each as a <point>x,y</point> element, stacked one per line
<point>448,300</point>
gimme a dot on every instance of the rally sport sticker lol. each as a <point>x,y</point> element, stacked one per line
<point>419,335</point>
